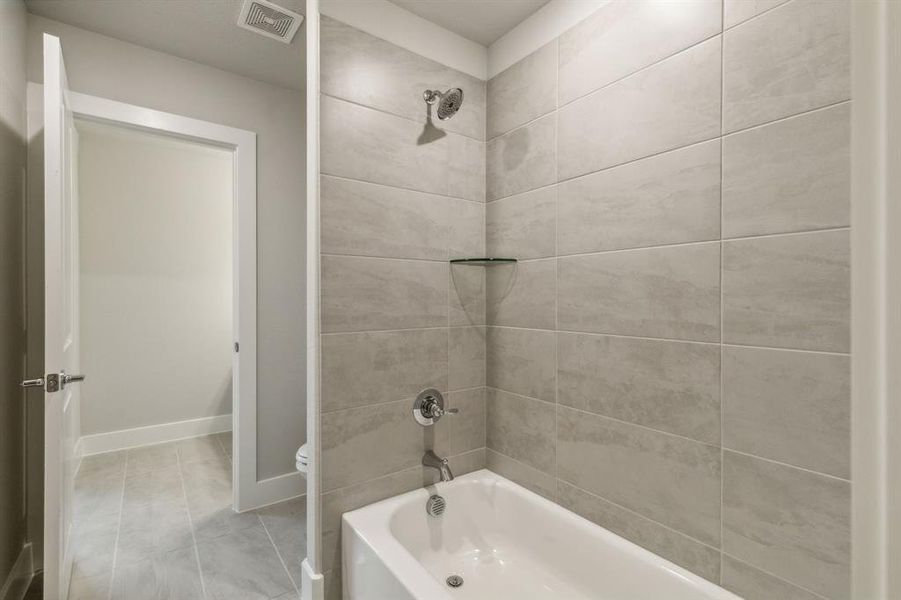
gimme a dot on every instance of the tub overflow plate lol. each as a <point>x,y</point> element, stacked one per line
<point>454,581</point>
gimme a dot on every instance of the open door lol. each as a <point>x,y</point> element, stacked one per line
<point>61,322</point>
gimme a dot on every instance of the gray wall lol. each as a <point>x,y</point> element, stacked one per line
<point>400,195</point>
<point>671,358</point>
<point>12,313</point>
<point>113,69</point>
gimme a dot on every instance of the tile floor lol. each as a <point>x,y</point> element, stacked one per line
<point>156,523</point>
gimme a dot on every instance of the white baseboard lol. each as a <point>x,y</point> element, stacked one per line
<point>153,434</point>
<point>275,490</point>
<point>312,584</point>
<point>19,577</point>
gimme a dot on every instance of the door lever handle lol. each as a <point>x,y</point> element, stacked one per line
<point>39,382</point>
<point>72,378</point>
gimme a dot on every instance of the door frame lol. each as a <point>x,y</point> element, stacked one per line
<point>247,491</point>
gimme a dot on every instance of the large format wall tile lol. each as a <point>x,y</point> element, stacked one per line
<point>466,357</point>
<point>794,58</point>
<point>666,199</point>
<point>522,226</point>
<point>753,584</point>
<point>623,37</point>
<point>365,144</point>
<point>466,168</point>
<point>792,175</point>
<point>523,159</point>
<point>466,225</point>
<point>377,293</point>
<point>467,428</point>
<point>671,386</point>
<point>382,366</point>
<point>366,70</point>
<point>523,294</point>
<point>366,219</point>
<point>522,361</point>
<point>466,296</point>
<point>668,292</point>
<point>790,291</point>
<point>371,441</point>
<point>666,478</point>
<point>522,428</point>
<point>736,11</point>
<point>523,92</point>
<point>672,104</point>
<point>792,523</point>
<point>794,407</point>
<point>538,481</point>
<point>671,545</point>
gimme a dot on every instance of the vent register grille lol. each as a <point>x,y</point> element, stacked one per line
<point>270,20</point>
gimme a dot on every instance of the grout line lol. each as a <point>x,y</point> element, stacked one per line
<point>184,491</point>
<point>439,261</point>
<point>673,340</point>
<point>556,268</point>
<point>112,575</point>
<point>749,19</point>
<point>777,577</point>
<point>399,116</point>
<point>408,399</point>
<point>715,240</point>
<point>803,113</point>
<point>639,515</point>
<point>721,296</point>
<point>609,84</point>
<point>397,187</point>
<point>279,554</point>
<point>785,464</point>
<point>720,136</point>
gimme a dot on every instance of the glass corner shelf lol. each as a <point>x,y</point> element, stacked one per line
<point>482,262</point>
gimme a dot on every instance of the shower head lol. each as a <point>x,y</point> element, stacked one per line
<point>449,102</point>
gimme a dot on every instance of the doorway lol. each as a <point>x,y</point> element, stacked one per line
<point>158,444</point>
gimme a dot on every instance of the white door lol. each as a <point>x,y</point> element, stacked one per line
<point>61,321</point>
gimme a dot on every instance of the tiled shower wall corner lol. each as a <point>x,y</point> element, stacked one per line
<point>399,197</point>
<point>669,358</point>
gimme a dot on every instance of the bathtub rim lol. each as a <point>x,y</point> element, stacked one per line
<point>372,525</point>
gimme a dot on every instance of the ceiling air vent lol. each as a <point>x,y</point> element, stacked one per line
<point>270,20</point>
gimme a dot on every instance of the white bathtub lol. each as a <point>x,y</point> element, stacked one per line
<point>505,542</point>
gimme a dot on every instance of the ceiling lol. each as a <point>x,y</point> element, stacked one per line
<point>200,30</point>
<point>482,21</point>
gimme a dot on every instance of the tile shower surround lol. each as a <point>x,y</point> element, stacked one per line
<point>670,357</point>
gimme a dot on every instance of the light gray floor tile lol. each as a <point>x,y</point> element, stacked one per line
<point>151,458</point>
<point>198,449</point>
<point>153,530</point>
<point>90,588</point>
<point>133,529</point>
<point>168,576</point>
<point>287,526</point>
<point>153,488</point>
<point>109,463</point>
<point>225,442</point>
<point>243,565</point>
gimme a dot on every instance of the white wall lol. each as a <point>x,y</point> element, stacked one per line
<point>106,67</point>
<point>155,227</point>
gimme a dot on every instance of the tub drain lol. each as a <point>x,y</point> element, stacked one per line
<point>454,581</point>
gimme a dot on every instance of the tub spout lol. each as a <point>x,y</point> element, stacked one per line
<point>430,459</point>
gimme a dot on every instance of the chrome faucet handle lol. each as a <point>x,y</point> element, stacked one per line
<point>429,407</point>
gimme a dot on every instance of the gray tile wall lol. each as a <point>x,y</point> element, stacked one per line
<point>401,194</point>
<point>669,358</point>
